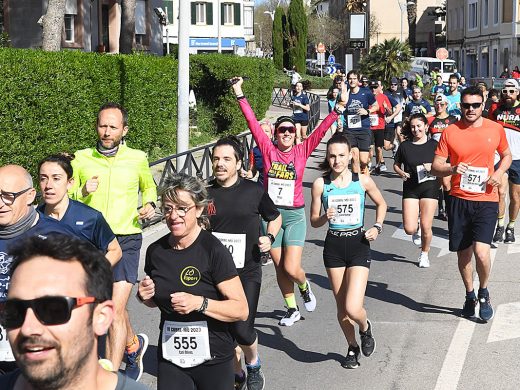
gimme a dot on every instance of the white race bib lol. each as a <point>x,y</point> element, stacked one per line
<point>473,180</point>
<point>374,120</point>
<point>347,209</point>
<point>281,191</point>
<point>423,175</point>
<point>236,245</point>
<point>6,354</point>
<point>186,344</point>
<point>354,121</point>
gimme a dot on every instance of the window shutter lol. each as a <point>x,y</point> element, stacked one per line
<point>209,13</point>
<point>236,13</point>
<point>193,13</point>
<point>222,10</point>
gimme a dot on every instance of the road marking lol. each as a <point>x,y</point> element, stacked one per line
<point>440,242</point>
<point>453,364</point>
<point>514,248</point>
<point>506,324</point>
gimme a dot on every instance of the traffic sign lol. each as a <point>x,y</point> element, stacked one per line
<point>320,48</point>
<point>441,53</point>
<point>321,58</point>
<point>332,59</point>
<point>331,69</point>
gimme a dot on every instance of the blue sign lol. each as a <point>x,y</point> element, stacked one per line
<point>331,69</point>
<point>332,59</point>
<point>226,43</point>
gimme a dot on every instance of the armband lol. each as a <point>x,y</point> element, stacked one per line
<point>271,237</point>
<point>379,228</point>
<point>204,306</point>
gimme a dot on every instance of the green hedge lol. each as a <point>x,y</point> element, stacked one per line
<point>49,101</point>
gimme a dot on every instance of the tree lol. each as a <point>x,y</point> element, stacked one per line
<point>127,37</point>
<point>411,10</point>
<point>386,60</point>
<point>263,29</point>
<point>297,22</point>
<point>330,31</point>
<point>278,38</point>
<point>53,25</point>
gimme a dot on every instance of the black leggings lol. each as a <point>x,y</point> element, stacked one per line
<point>244,331</point>
<point>218,376</point>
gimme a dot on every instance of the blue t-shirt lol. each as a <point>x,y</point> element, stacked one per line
<point>421,106</point>
<point>299,114</point>
<point>452,104</point>
<point>259,164</point>
<point>88,224</point>
<point>439,89</point>
<point>407,93</point>
<point>362,99</point>
<point>395,99</point>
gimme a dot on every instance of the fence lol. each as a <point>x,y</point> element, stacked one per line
<point>281,97</point>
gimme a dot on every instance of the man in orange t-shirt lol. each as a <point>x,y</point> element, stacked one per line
<point>470,145</point>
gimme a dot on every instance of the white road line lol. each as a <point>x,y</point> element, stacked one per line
<point>514,248</point>
<point>453,364</point>
<point>506,324</point>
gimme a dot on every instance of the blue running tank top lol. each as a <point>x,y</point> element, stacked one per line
<point>349,203</point>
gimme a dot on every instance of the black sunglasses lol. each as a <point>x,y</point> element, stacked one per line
<point>466,106</point>
<point>48,310</point>
<point>9,197</point>
<point>283,129</point>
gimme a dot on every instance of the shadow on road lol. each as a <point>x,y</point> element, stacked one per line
<point>150,360</point>
<point>384,256</point>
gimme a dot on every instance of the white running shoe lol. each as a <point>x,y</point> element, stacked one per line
<point>291,316</point>
<point>382,167</point>
<point>424,261</point>
<point>308,297</point>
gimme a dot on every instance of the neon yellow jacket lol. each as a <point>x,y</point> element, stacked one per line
<point>120,179</point>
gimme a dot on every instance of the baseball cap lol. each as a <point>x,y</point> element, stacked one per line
<point>441,98</point>
<point>512,83</point>
<point>394,80</point>
<point>373,84</point>
<point>364,78</point>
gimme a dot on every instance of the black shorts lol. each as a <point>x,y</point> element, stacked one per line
<point>359,139</point>
<point>244,331</point>
<point>302,122</point>
<point>470,221</point>
<point>378,137</point>
<point>126,268</point>
<point>347,248</point>
<point>428,189</point>
<point>389,133</point>
<point>514,172</point>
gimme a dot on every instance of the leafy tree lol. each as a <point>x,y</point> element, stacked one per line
<point>52,25</point>
<point>297,22</point>
<point>278,38</point>
<point>127,37</point>
<point>386,60</point>
<point>411,10</point>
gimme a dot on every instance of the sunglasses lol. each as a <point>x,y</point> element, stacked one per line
<point>393,85</point>
<point>9,197</point>
<point>282,130</point>
<point>466,106</point>
<point>510,91</point>
<point>52,310</point>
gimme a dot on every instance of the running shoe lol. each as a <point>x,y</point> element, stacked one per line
<point>255,378</point>
<point>485,311</point>
<point>240,381</point>
<point>308,297</point>
<point>442,215</point>
<point>499,234</point>
<point>134,363</point>
<point>368,343</point>
<point>382,167</point>
<point>351,360</point>
<point>265,259</point>
<point>416,237</point>
<point>424,261</point>
<point>468,310</point>
<point>291,316</point>
<point>510,236</point>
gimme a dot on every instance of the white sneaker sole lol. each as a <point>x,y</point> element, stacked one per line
<point>291,321</point>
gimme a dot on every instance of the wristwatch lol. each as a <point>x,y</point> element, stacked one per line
<point>271,237</point>
<point>379,227</point>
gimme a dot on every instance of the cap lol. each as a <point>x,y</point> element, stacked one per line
<point>282,119</point>
<point>364,78</point>
<point>441,98</point>
<point>394,80</point>
<point>338,78</point>
<point>512,83</point>
<point>373,83</point>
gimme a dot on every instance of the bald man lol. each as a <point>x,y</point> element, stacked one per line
<point>18,219</point>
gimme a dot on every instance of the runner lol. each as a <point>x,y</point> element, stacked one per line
<point>471,144</point>
<point>405,89</point>
<point>55,180</point>
<point>436,125</point>
<point>332,99</point>
<point>439,87</point>
<point>234,215</point>
<point>300,105</point>
<point>284,165</point>
<point>453,96</point>
<point>394,122</point>
<point>508,115</point>
<point>256,164</point>
<point>412,163</point>
<point>418,105</point>
<point>191,278</point>
<point>346,252</point>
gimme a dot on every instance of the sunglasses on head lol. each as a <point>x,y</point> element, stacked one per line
<point>48,310</point>
<point>283,129</point>
<point>506,91</point>
<point>466,106</point>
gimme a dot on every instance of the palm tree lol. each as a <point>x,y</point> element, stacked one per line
<point>354,5</point>
<point>411,10</point>
<point>386,60</point>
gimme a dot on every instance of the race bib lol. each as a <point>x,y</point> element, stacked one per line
<point>186,344</point>
<point>473,180</point>
<point>236,245</point>
<point>374,120</point>
<point>281,191</point>
<point>297,110</point>
<point>423,175</point>
<point>354,121</point>
<point>347,209</point>
<point>6,354</point>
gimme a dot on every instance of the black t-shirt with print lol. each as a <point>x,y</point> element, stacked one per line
<point>410,155</point>
<point>197,270</point>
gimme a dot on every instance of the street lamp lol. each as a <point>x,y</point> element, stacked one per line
<point>270,13</point>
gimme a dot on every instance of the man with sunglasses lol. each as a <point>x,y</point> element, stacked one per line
<point>55,342</point>
<point>508,115</point>
<point>470,144</point>
<point>18,220</point>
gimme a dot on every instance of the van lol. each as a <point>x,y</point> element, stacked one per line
<point>425,65</point>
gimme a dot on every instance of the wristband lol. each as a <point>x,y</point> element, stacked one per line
<point>204,306</point>
<point>379,227</point>
<point>240,96</point>
<point>337,110</point>
<point>271,237</point>
<point>152,204</point>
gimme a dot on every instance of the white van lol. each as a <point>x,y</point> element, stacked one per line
<point>425,65</point>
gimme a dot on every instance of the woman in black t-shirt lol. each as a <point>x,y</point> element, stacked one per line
<point>192,279</point>
<point>413,162</point>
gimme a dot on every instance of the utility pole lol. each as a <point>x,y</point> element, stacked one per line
<point>183,87</point>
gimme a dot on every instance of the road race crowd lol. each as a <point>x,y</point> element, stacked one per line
<point>67,267</point>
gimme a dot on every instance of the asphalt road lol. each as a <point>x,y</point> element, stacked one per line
<point>422,343</point>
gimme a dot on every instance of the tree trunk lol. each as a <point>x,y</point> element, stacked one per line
<point>411,10</point>
<point>53,25</point>
<point>127,37</point>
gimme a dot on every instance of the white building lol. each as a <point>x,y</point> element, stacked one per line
<point>231,20</point>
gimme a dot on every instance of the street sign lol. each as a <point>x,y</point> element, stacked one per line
<point>331,69</point>
<point>332,59</point>
<point>357,44</point>
<point>321,58</point>
<point>320,48</point>
<point>441,53</point>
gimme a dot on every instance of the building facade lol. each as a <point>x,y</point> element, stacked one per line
<point>231,21</point>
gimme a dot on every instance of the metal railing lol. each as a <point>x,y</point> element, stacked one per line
<point>281,97</point>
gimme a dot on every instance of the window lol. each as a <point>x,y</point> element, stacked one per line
<point>168,8</point>
<point>472,16</point>
<point>202,13</point>
<point>485,13</point>
<point>507,11</point>
<point>69,28</point>
<point>71,12</point>
<point>140,17</point>
<point>495,11</point>
<point>230,14</point>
